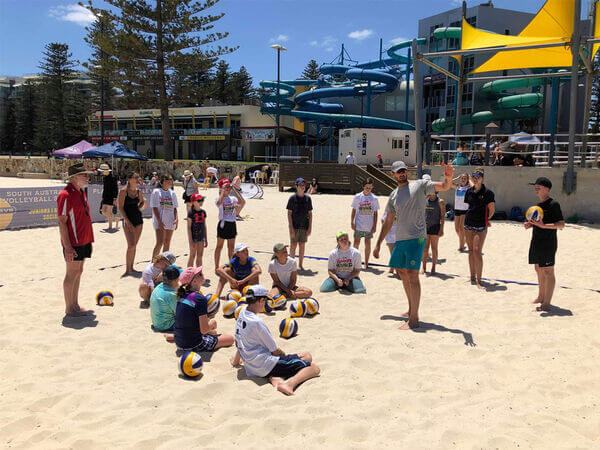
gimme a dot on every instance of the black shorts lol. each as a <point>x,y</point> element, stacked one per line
<point>187,198</point>
<point>434,229</point>
<point>541,253</point>
<point>288,366</point>
<point>229,230</point>
<point>459,212</point>
<point>108,201</point>
<point>82,252</point>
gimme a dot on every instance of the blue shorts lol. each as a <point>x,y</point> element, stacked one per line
<point>207,343</point>
<point>288,366</point>
<point>408,254</point>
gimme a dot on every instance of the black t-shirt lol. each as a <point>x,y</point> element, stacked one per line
<point>198,219</point>
<point>111,188</point>
<point>552,214</point>
<point>187,327</point>
<point>476,215</point>
<point>300,206</point>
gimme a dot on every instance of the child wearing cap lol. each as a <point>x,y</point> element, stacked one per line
<point>544,242</point>
<point>242,270</point>
<point>284,272</point>
<point>197,236</point>
<point>194,331</point>
<point>343,267</point>
<point>299,209</point>
<point>163,301</point>
<point>152,275</point>
<point>229,208</point>
<point>261,355</point>
<point>363,219</point>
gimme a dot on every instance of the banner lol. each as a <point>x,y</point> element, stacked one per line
<point>36,207</point>
<point>259,134</point>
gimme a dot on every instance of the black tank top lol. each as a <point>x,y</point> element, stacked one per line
<point>132,209</point>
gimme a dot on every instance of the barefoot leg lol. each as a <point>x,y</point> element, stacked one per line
<point>307,373</point>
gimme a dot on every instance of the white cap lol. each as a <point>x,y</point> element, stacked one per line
<point>426,176</point>
<point>257,291</point>
<point>239,247</point>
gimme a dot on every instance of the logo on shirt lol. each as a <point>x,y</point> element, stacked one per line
<point>166,203</point>
<point>344,264</point>
<point>365,208</point>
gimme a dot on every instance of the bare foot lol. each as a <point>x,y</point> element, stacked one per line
<point>285,389</point>
<point>404,315</point>
<point>422,270</point>
<point>276,381</point>
<point>366,266</point>
<point>409,325</point>
<point>302,268</point>
<point>542,307</point>
<point>480,286</point>
<point>433,271</point>
<point>537,300</point>
<point>77,313</point>
<point>145,304</point>
<point>391,270</point>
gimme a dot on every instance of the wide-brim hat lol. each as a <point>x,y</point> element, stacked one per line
<point>78,169</point>
<point>186,173</point>
<point>104,168</point>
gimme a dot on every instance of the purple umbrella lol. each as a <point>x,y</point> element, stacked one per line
<point>74,151</point>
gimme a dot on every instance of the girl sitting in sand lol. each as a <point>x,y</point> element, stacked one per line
<point>284,272</point>
<point>344,267</point>
<point>193,329</point>
<point>152,276</point>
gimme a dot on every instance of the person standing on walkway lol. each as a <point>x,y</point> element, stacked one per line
<point>407,203</point>
<point>76,234</point>
<point>299,212</point>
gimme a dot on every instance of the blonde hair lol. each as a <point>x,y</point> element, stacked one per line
<point>158,258</point>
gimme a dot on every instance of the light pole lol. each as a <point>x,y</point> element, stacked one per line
<point>101,67</point>
<point>279,48</point>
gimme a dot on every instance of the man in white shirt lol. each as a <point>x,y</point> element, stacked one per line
<point>350,158</point>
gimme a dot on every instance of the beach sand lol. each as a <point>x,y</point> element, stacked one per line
<point>483,371</point>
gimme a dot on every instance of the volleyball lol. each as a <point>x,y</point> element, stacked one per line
<point>234,295</point>
<point>213,304</point>
<point>312,306</point>
<point>298,309</point>
<point>104,298</point>
<point>229,308</point>
<point>268,306</point>
<point>238,310</point>
<point>534,213</point>
<point>279,301</point>
<point>245,290</point>
<point>190,364</point>
<point>288,328</point>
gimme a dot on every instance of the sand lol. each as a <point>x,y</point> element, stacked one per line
<point>484,371</point>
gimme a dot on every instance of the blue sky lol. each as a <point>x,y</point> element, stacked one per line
<point>308,28</point>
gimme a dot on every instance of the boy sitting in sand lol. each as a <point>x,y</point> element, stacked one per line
<point>260,353</point>
<point>152,275</point>
<point>243,270</point>
<point>163,302</point>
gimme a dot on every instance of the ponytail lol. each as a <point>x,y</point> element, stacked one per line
<point>183,290</point>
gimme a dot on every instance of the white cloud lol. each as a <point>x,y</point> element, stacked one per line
<point>327,43</point>
<point>278,39</point>
<point>457,2</point>
<point>313,43</point>
<point>359,35</point>
<point>398,40</point>
<point>73,13</point>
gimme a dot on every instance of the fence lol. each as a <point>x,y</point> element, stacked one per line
<point>320,153</point>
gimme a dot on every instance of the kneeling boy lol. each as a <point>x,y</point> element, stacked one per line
<point>260,353</point>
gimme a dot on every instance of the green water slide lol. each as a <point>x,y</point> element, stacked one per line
<point>504,106</point>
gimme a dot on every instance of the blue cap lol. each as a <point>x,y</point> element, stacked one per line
<point>300,180</point>
<point>171,273</point>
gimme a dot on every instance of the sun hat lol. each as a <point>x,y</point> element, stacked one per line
<point>299,181</point>
<point>196,197</point>
<point>543,181</point>
<point>339,234</point>
<point>239,247</point>
<point>398,166</point>
<point>187,275</point>
<point>279,246</point>
<point>187,173</point>
<point>171,273</point>
<point>78,169</point>
<point>104,168</point>
<point>169,256</point>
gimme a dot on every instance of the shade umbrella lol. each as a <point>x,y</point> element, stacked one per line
<point>113,150</point>
<point>74,151</point>
<point>523,138</point>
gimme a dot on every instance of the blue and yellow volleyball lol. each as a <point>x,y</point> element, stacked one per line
<point>268,307</point>
<point>312,306</point>
<point>212,304</point>
<point>238,310</point>
<point>105,298</point>
<point>298,308</point>
<point>245,290</point>
<point>279,301</point>
<point>288,328</point>
<point>190,364</point>
<point>234,295</point>
<point>534,213</point>
<point>229,308</point>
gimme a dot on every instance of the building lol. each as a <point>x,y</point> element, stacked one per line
<point>227,132</point>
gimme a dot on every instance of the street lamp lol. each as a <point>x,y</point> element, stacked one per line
<point>279,48</point>
<point>101,23</point>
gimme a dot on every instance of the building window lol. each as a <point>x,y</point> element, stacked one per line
<point>452,66</point>
<point>450,113</point>
<point>467,110</point>
<point>469,63</point>
<point>472,21</point>
<point>467,95</point>
<point>454,43</point>
<point>397,143</point>
<point>450,94</point>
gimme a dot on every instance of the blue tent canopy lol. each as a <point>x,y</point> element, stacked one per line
<point>113,150</point>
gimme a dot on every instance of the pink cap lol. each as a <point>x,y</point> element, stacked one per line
<point>188,274</point>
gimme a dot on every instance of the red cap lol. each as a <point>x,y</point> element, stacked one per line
<point>196,197</point>
<point>378,155</point>
<point>223,182</point>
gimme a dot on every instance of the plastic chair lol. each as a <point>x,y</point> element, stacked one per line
<point>274,177</point>
<point>254,176</point>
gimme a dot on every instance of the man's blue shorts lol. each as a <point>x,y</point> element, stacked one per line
<point>408,254</point>
<point>288,366</point>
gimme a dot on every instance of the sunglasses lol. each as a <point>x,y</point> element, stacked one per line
<point>401,171</point>
<point>477,175</point>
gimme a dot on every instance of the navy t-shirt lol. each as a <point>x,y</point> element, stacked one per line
<point>198,219</point>
<point>187,327</point>
<point>240,270</point>
<point>300,206</point>
<point>476,215</point>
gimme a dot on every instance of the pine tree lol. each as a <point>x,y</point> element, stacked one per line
<point>155,39</point>
<point>26,114</point>
<point>594,126</point>
<point>311,71</point>
<point>8,127</point>
<point>222,83</point>
<point>193,84</point>
<point>57,71</point>
<point>241,86</point>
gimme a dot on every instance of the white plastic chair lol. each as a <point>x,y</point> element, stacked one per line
<point>274,177</point>
<point>254,176</point>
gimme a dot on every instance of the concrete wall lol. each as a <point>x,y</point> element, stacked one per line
<point>509,184</point>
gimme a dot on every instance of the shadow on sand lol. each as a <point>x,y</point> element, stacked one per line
<point>80,322</point>
<point>424,327</point>
<point>556,311</point>
<point>241,376</point>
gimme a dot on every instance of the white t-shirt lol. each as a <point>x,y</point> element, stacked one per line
<point>283,271</point>
<point>150,274</point>
<point>255,344</point>
<point>365,206</point>
<point>343,262</point>
<point>212,170</point>
<point>227,208</point>
<point>166,202</point>
<point>350,159</point>
<point>390,238</point>
<point>459,198</point>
